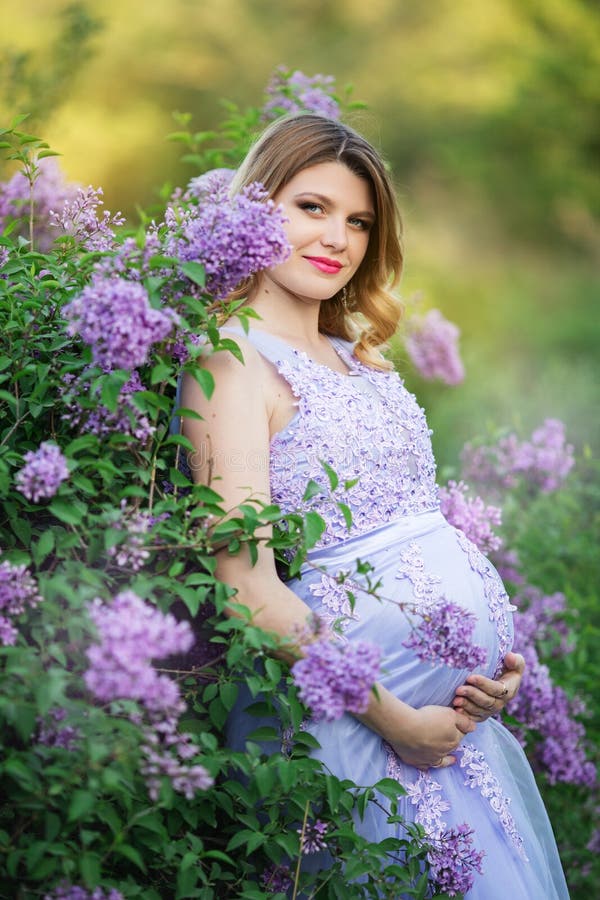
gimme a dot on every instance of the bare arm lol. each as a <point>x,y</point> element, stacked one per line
<point>232,451</point>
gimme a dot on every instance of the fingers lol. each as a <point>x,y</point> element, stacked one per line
<point>464,722</point>
<point>445,761</point>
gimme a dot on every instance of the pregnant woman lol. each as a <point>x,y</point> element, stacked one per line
<point>314,387</point>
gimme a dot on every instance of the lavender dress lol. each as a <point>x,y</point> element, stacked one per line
<point>367,426</point>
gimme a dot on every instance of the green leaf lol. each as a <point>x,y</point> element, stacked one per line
<point>90,868</point>
<point>195,272</point>
<point>205,380</point>
<point>313,489</point>
<point>331,475</point>
<point>347,514</point>
<point>69,511</point>
<point>132,854</point>
<point>82,803</point>
<point>111,388</point>
<point>314,526</point>
<point>44,547</point>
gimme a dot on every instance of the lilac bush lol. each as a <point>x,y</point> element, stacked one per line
<point>44,471</point>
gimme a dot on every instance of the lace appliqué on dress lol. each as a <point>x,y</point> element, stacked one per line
<point>369,429</point>
<point>497,599</point>
<point>412,566</point>
<point>479,775</point>
<point>332,591</point>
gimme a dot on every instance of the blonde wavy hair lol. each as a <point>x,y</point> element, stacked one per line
<point>368,313</point>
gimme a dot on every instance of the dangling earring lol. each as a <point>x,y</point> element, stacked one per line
<point>344,297</point>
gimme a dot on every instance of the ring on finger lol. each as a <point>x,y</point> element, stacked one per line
<point>505,691</point>
<point>440,763</point>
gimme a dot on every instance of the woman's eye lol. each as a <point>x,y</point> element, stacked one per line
<point>311,207</point>
<point>362,224</point>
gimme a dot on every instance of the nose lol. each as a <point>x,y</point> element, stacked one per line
<point>334,234</point>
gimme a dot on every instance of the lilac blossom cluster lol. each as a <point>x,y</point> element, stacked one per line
<point>79,219</point>
<point>471,515</point>
<point>292,92</point>
<point>334,678</point>
<point>115,318</point>
<point>18,591</point>
<point>67,891</point>
<point>132,551</point>
<point>277,879</point>
<point>444,634</point>
<point>44,471</point>
<point>232,238</point>
<point>130,260</point>
<point>313,838</point>
<point>50,191</point>
<point>85,413</point>
<point>132,634</point>
<point>541,705</point>
<point>544,707</point>
<point>453,861</point>
<point>543,461</point>
<point>432,345</point>
<point>53,734</point>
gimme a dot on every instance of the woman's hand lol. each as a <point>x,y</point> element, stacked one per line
<point>433,733</point>
<point>481,697</point>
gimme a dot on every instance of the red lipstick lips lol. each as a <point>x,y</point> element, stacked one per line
<point>324,264</point>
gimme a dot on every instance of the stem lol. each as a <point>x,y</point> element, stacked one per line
<point>297,874</point>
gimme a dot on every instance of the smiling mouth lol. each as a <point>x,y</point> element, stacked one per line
<point>330,266</point>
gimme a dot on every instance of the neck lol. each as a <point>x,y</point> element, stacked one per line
<point>286,314</point>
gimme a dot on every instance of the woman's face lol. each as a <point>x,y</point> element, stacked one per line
<point>330,212</point>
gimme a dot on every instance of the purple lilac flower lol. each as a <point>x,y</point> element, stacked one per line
<point>453,861</point>
<point>166,756</point>
<point>542,706</point>
<point>444,635</point>
<point>115,318</point>
<point>4,255</point>
<point>203,187</point>
<point>78,219</point>
<point>540,618</point>
<point>277,879</point>
<point>508,564</point>
<point>52,734</point>
<point>292,92</point>
<point>50,191</point>
<point>132,633</point>
<point>313,838</point>
<point>131,261</point>
<point>334,678</point>
<point>132,552</point>
<point>67,891</point>
<point>432,345</point>
<point>232,238</point>
<point>544,461</point>
<point>471,515</point>
<point>18,590</point>
<point>88,415</point>
<point>44,471</point>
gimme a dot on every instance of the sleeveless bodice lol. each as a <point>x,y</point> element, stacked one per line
<point>365,426</point>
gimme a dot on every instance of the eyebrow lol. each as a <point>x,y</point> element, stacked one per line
<point>365,213</point>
